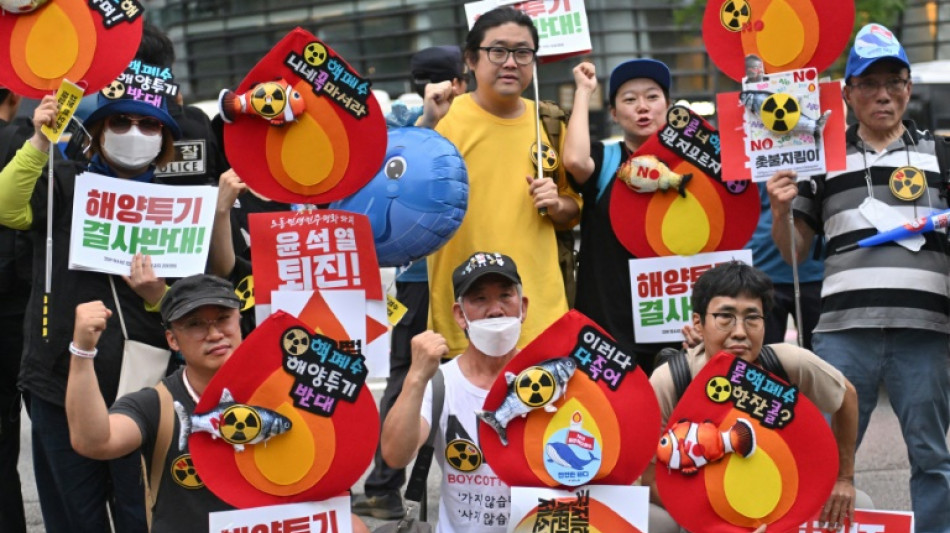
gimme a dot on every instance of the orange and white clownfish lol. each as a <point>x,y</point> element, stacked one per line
<point>646,173</point>
<point>275,101</point>
<point>688,446</point>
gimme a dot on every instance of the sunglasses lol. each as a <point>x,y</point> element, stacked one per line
<point>122,124</point>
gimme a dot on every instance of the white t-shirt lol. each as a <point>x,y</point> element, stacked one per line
<point>473,498</point>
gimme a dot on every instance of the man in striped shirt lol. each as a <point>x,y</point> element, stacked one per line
<point>884,309</point>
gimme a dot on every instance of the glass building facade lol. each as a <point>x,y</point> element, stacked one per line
<point>218,41</point>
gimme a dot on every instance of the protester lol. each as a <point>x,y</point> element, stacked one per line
<point>639,96</point>
<point>199,157</point>
<point>729,303</point>
<point>885,310</point>
<point>494,129</point>
<point>490,308</point>
<point>15,268</point>
<point>201,317</point>
<point>381,498</point>
<point>128,139</point>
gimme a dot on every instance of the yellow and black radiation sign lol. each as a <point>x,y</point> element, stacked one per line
<point>315,53</point>
<point>718,389</point>
<point>908,183</point>
<point>269,99</point>
<point>677,117</point>
<point>549,158</point>
<point>295,341</point>
<point>535,386</point>
<point>115,90</point>
<point>463,455</point>
<point>734,14</point>
<point>240,424</point>
<point>245,291</point>
<point>184,473</point>
<point>780,112</point>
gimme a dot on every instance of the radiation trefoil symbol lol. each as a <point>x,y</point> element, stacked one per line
<point>535,386</point>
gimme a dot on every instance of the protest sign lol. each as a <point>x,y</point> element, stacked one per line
<point>113,219</point>
<point>662,287</point>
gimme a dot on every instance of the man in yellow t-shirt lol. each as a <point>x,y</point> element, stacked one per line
<point>494,128</point>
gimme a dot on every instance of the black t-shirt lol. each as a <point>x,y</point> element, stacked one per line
<point>183,500</point>
<point>603,272</point>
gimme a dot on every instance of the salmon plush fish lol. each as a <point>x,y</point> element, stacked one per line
<point>646,173</point>
<point>236,423</point>
<point>688,446</point>
<point>275,101</point>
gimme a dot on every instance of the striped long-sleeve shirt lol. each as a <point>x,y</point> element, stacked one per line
<point>885,285</point>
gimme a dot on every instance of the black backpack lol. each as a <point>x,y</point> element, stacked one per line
<point>679,368</point>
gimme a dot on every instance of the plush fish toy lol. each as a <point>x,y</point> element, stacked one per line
<point>646,173</point>
<point>688,446</point>
<point>235,423</point>
<point>536,386</point>
<point>275,101</point>
<point>21,7</point>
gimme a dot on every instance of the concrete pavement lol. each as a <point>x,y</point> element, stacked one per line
<point>882,469</point>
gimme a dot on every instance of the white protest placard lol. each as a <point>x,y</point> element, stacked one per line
<point>868,521</point>
<point>591,507</point>
<point>662,287</point>
<point>562,24</point>
<point>113,219</point>
<point>328,516</point>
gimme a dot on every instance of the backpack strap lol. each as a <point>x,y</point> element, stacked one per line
<point>416,488</point>
<point>771,362</point>
<point>679,370</point>
<point>163,439</point>
<point>608,167</point>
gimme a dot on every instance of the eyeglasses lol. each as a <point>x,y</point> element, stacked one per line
<point>894,86</point>
<point>197,328</point>
<point>499,54</point>
<point>727,321</point>
<point>122,124</point>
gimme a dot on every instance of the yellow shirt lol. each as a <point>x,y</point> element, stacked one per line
<point>501,217</point>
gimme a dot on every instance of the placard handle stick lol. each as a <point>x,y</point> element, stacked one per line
<point>543,211</point>
<point>795,283</point>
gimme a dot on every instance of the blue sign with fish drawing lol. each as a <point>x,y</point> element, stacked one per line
<point>572,456</point>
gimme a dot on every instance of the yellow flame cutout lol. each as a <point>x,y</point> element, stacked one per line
<point>686,239</point>
<point>285,459</point>
<point>52,25</point>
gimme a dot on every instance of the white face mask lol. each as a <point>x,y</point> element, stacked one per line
<point>131,150</point>
<point>494,336</point>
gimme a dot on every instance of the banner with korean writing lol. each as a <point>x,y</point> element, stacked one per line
<point>868,521</point>
<point>662,287</point>
<point>562,24</point>
<point>113,219</point>
<point>328,516</point>
<point>617,509</point>
<point>303,251</point>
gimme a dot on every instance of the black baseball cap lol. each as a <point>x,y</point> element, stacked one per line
<point>435,64</point>
<point>481,264</point>
<point>640,68</point>
<point>188,294</point>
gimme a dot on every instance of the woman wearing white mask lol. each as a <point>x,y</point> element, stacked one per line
<point>127,139</point>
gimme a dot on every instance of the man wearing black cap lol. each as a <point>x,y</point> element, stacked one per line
<point>435,64</point>
<point>885,313</point>
<point>489,308</point>
<point>639,96</point>
<point>202,321</point>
